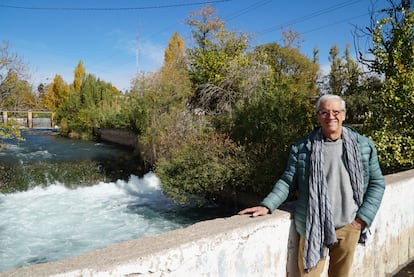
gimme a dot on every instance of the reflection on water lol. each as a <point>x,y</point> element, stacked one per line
<point>45,158</point>
<point>47,145</point>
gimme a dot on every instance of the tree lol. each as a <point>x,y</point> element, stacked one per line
<point>390,123</point>
<point>164,95</point>
<point>90,107</point>
<point>336,73</point>
<point>57,93</point>
<point>212,64</point>
<point>347,80</point>
<point>89,91</point>
<point>267,126</point>
<point>12,84</point>
<point>174,53</point>
<point>291,39</point>
<point>242,100</point>
<point>79,76</point>
<point>174,81</point>
<point>345,74</point>
<point>278,89</point>
<point>289,70</point>
<point>204,25</point>
<point>12,74</point>
<point>21,95</point>
<point>10,131</point>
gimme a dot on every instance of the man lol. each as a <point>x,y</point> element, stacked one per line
<point>340,187</point>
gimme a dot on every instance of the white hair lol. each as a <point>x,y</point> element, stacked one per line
<point>327,97</point>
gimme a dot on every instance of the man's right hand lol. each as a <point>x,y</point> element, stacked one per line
<point>255,211</point>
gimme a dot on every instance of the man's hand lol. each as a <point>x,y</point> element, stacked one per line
<point>358,223</point>
<point>255,211</point>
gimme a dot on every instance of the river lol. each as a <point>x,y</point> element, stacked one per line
<point>44,218</point>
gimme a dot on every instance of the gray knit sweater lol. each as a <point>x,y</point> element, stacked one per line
<point>340,194</point>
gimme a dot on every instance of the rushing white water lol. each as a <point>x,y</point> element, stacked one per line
<point>51,223</point>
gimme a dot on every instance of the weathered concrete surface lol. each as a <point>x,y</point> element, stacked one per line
<point>391,244</point>
<point>218,247</point>
<point>245,246</point>
<point>119,136</point>
<point>407,271</point>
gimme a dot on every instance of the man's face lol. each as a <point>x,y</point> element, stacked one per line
<point>330,116</point>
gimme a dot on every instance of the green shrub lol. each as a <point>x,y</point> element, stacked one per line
<point>395,150</point>
<point>206,165</point>
<point>267,127</point>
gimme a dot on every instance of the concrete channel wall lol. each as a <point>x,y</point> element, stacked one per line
<point>245,246</point>
<point>118,136</point>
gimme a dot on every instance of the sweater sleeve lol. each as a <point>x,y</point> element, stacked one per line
<point>282,187</point>
<point>375,189</point>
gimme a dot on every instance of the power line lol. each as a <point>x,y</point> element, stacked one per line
<point>105,9</point>
<point>137,50</point>
<point>247,9</point>
<point>309,16</point>
<point>335,23</point>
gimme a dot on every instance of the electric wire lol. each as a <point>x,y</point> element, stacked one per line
<point>334,23</point>
<point>229,17</point>
<point>247,9</point>
<point>112,8</point>
<point>308,16</point>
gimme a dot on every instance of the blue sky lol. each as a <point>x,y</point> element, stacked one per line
<point>117,39</point>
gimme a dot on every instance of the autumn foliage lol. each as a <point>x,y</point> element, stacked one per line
<point>218,118</point>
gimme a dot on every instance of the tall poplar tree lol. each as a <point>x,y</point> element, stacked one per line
<point>165,94</point>
<point>346,79</point>
<point>79,76</point>
<point>174,79</point>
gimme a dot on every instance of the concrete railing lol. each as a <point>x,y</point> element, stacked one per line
<point>245,246</point>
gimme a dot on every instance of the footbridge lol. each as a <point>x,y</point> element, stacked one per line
<point>245,246</point>
<point>32,119</point>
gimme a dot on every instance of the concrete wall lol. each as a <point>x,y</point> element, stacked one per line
<point>244,246</point>
<point>119,136</point>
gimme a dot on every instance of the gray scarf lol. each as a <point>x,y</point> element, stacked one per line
<point>320,227</point>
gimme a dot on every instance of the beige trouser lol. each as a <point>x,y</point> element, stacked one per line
<point>341,254</point>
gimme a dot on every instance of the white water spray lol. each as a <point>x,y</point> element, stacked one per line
<point>51,223</point>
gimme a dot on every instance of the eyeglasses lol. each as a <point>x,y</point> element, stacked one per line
<point>326,114</point>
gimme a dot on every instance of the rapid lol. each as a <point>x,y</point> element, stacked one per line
<point>53,220</point>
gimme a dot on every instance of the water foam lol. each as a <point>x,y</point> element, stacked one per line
<point>54,222</point>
